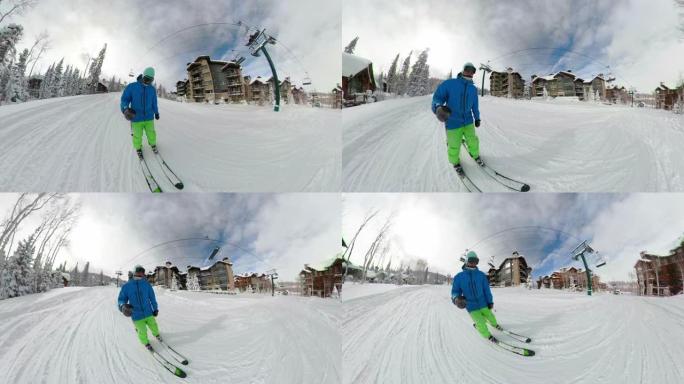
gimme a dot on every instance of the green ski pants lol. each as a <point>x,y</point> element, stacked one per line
<point>138,128</point>
<point>454,138</point>
<point>481,317</point>
<point>141,327</point>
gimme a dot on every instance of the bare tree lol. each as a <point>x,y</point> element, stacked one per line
<point>23,208</point>
<point>15,7</point>
<point>376,245</point>
<point>40,45</point>
<point>62,215</point>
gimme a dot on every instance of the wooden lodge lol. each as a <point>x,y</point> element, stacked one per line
<point>322,280</point>
<point>665,97</point>
<point>661,274</point>
<point>570,278</point>
<point>253,282</point>
<point>567,84</point>
<point>218,276</point>
<point>357,79</point>
<point>164,276</point>
<point>506,84</point>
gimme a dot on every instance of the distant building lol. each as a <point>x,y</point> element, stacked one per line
<point>253,282</point>
<point>571,278</point>
<point>617,95</point>
<point>207,83</point>
<point>661,273</point>
<point>323,279</point>
<point>513,271</point>
<point>235,85</point>
<point>34,86</point>
<point>181,87</point>
<point>216,276</point>
<point>357,78</point>
<point>665,97</point>
<point>567,84</point>
<point>163,275</point>
<point>506,84</point>
<point>260,90</point>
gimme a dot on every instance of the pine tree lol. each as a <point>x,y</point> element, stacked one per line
<point>75,276</point>
<point>45,85</point>
<point>56,86</point>
<point>174,283</point>
<point>392,75</point>
<point>352,45</point>
<point>193,283</point>
<point>16,88</point>
<point>96,69</point>
<point>416,81</point>
<point>9,37</point>
<point>101,278</point>
<point>381,81</point>
<point>402,82</point>
<point>18,278</point>
<point>85,277</point>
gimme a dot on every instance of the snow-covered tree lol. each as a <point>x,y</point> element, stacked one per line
<point>17,278</point>
<point>56,85</point>
<point>193,283</point>
<point>174,283</point>
<point>16,86</point>
<point>352,45</point>
<point>418,79</point>
<point>392,76</point>
<point>85,276</point>
<point>75,276</point>
<point>14,7</point>
<point>96,69</point>
<point>402,82</point>
<point>9,37</point>
<point>101,278</point>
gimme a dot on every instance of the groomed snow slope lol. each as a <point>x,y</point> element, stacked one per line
<point>418,336</point>
<point>76,335</point>
<point>399,146</point>
<point>83,144</point>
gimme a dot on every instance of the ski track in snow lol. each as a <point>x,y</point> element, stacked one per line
<point>83,144</point>
<point>416,335</point>
<point>399,146</point>
<point>76,335</point>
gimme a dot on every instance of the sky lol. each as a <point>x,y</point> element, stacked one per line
<point>153,33</point>
<point>638,42</point>
<point>544,228</point>
<point>258,232</point>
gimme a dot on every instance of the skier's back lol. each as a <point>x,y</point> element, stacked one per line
<point>470,290</point>
<point>137,300</point>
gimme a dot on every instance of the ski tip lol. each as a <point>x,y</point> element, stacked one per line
<point>528,340</point>
<point>179,186</point>
<point>525,188</point>
<point>180,373</point>
<point>184,362</point>
<point>529,352</point>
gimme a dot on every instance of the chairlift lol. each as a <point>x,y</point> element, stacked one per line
<point>306,80</point>
<point>131,74</point>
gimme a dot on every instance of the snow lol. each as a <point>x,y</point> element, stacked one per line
<point>351,64</point>
<point>351,291</point>
<point>558,146</point>
<point>76,335</point>
<point>417,335</point>
<point>82,143</point>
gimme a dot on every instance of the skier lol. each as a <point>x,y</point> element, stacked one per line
<point>470,290</point>
<point>455,103</point>
<point>139,106</point>
<point>137,301</point>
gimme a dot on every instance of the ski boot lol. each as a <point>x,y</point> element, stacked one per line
<point>160,338</point>
<point>493,339</point>
<point>459,170</point>
<point>140,154</point>
<point>479,161</point>
<point>154,149</point>
<point>149,347</point>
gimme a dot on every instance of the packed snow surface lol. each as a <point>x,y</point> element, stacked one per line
<point>351,291</point>
<point>77,335</point>
<point>416,335</point>
<point>83,144</point>
<point>557,146</point>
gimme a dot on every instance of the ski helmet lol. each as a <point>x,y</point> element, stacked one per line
<point>469,65</point>
<point>139,269</point>
<point>471,256</point>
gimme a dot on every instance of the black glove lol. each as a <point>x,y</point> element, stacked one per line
<point>155,313</point>
<point>156,116</point>
<point>129,113</point>
<point>126,309</point>
<point>477,123</point>
<point>490,305</point>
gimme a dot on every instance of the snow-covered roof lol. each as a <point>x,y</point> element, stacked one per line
<point>258,78</point>
<point>547,78</point>
<point>66,276</point>
<point>565,73</point>
<point>351,64</point>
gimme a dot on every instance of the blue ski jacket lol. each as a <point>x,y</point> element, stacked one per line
<point>141,98</point>
<point>460,95</point>
<point>473,284</point>
<point>140,295</point>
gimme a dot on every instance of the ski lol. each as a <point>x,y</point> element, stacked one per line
<point>516,336</point>
<point>510,183</point>
<point>167,364</point>
<point>177,356</point>
<point>468,183</point>
<point>511,348</point>
<point>170,175</point>
<point>151,182</point>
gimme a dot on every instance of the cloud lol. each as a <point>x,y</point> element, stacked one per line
<point>79,28</point>
<point>542,227</point>
<point>257,231</point>
<point>637,41</point>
